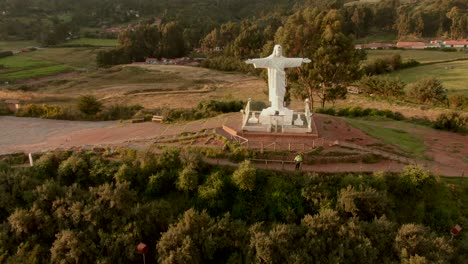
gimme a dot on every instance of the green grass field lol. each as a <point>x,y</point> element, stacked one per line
<point>405,141</point>
<point>454,75</point>
<point>36,72</point>
<point>44,62</point>
<point>74,57</point>
<point>423,56</point>
<point>94,42</point>
<point>16,45</point>
<point>22,62</point>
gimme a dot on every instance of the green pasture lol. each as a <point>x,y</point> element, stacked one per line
<point>400,138</point>
<point>16,45</point>
<point>422,56</point>
<point>36,72</point>
<point>75,57</point>
<point>94,42</point>
<point>22,62</point>
<point>454,75</point>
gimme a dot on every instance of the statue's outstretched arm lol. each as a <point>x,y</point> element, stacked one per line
<point>259,63</point>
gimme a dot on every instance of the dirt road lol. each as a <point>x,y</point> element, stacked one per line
<point>31,135</point>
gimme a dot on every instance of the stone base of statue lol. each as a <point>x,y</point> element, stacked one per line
<point>282,117</point>
<point>283,120</point>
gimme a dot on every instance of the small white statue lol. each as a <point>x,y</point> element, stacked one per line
<point>253,119</point>
<point>298,121</point>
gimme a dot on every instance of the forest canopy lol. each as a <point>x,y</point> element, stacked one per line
<point>95,207</point>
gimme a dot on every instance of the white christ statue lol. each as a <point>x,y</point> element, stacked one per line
<point>276,64</point>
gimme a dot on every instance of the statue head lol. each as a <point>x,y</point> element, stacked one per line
<point>277,51</point>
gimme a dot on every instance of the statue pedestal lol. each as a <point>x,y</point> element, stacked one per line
<point>267,117</point>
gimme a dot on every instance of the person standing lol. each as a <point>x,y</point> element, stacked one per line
<point>298,159</point>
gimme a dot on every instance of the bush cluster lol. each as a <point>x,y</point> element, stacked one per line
<point>452,121</point>
<point>48,111</point>
<point>458,101</point>
<point>203,110</point>
<point>388,64</point>
<point>4,110</point>
<point>358,111</point>
<point>113,112</point>
<point>226,64</point>
<point>5,53</point>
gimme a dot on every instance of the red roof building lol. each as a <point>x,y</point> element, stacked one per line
<point>463,43</point>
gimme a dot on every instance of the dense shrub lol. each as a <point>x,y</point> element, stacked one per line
<point>388,64</point>
<point>48,111</point>
<point>112,57</point>
<point>357,111</point>
<point>89,105</point>
<point>4,110</point>
<point>458,102</point>
<point>223,63</point>
<point>382,86</point>
<point>5,53</point>
<point>118,111</point>
<point>452,121</point>
<point>428,91</point>
<point>204,109</point>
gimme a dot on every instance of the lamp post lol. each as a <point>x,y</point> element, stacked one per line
<point>142,248</point>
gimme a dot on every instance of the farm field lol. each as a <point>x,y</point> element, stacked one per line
<point>422,56</point>
<point>453,75</point>
<point>45,62</point>
<point>151,86</point>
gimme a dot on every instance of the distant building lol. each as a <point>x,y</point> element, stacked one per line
<point>13,105</point>
<point>353,90</point>
<point>456,43</point>
<point>410,45</point>
<point>114,29</point>
<point>375,46</point>
<point>151,61</point>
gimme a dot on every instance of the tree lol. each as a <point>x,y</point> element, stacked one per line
<point>319,36</point>
<point>245,176</point>
<point>141,42</point>
<point>403,23</point>
<point>429,90</point>
<point>416,240</point>
<point>72,247</point>
<point>458,28</point>
<point>198,238</point>
<point>188,180</point>
<point>172,42</point>
<point>74,169</point>
<point>366,204</point>
<point>418,24</point>
<point>89,105</point>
